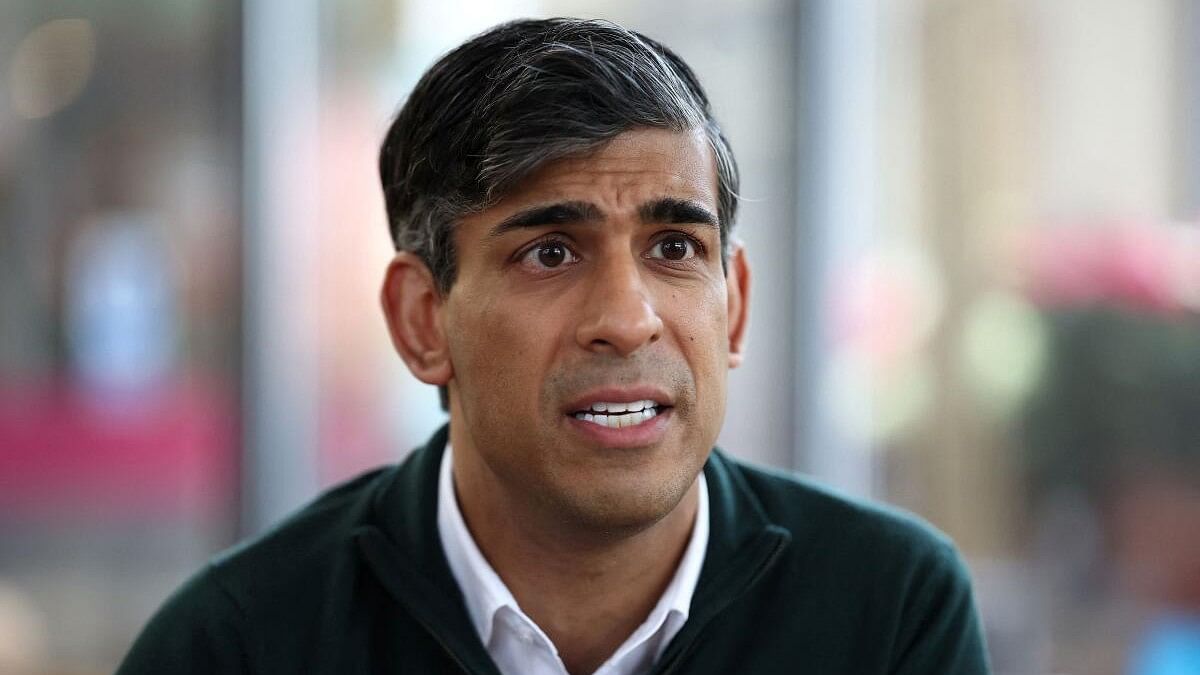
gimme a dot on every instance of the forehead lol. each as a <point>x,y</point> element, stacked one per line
<point>634,166</point>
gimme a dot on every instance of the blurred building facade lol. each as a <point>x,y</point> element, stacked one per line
<point>973,225</point>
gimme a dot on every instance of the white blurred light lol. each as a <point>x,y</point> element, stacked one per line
<point>846,388</point>
<point>869,406</point>
<point>1185,270</point>
<point>24,635</point>
<point>1003,350</point>
<point>51,66</point>
<point>889,303</point>
<point>901,397</point>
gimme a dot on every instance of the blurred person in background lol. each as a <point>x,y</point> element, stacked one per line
<point>562,202</point>
<point>1114,421</point>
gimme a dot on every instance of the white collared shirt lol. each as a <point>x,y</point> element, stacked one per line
<point>514,641</point>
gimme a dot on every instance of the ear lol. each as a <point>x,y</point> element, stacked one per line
<point>412,308</point>
<point>737,284</point>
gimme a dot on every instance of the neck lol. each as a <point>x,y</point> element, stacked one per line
<point>588,589</point>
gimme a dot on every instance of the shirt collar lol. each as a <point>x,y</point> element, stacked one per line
<point>482,589</point>
<point>485,593</point>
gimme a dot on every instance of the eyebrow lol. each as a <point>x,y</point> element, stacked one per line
<point>663,211</point>
<point>675,211</point>
<point>562,213</point>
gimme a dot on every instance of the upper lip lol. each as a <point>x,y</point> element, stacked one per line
<point>619,395</point>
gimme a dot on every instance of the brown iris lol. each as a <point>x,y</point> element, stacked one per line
<point>551,254</point>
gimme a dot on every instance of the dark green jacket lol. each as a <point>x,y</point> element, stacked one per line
<point>795,580</point>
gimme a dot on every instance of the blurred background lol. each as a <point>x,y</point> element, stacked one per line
<point>974,231</point>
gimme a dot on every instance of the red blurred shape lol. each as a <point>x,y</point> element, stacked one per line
<point>69,452</point>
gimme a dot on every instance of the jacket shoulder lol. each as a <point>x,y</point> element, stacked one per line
<point>263,601</point>
<point>309,550</point>
<point>821,517</point>
<point>199,629</point>
<point>878,564</point>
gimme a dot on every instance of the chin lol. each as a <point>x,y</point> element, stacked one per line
<point>626,506</point>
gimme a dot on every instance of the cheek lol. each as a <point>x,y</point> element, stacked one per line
<point>494,351</point>
<point>707,327</point>
<point>704,338</point>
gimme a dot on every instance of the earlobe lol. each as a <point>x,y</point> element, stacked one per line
<point>737,284</point>
<point>411,308</point>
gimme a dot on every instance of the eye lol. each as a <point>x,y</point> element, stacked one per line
<point>548,254</point>
<point>675,247</point>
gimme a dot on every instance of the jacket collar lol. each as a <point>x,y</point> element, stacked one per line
<point>402,548</point>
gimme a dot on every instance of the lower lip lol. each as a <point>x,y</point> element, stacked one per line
<point>641,435</point>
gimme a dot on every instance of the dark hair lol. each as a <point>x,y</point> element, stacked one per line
<point>516,97</point>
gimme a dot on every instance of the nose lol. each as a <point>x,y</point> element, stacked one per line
<point>619,316</point>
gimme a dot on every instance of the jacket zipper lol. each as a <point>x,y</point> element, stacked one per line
<point>679,657</point>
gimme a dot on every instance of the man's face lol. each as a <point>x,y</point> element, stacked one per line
<point>596,285</point>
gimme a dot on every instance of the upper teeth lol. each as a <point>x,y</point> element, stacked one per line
<point>612,407</point>
<point>619,415</point>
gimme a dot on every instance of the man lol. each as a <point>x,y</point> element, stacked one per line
<point>562,202</point>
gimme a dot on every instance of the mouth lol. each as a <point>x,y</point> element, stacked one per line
<point>622,418</point>
<point>619,415</point>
